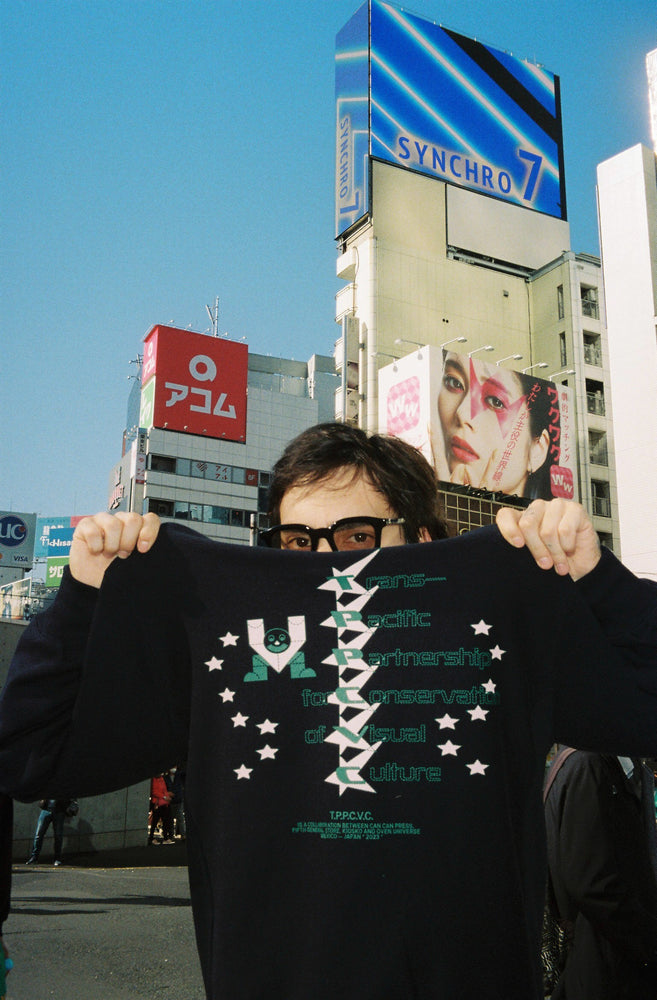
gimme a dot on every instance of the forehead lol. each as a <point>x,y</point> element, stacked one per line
<point>343,493</point>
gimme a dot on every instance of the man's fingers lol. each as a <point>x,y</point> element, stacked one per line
<point>542,525</point>
<point>150,527</point>
<point>507,519</point>
<point>117,534</point>
<point>558,533</point>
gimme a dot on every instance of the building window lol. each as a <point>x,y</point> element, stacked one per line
<point>219,473</point>
<point>183,467</point>
<point>598,448</point>
<point>600,497</point>
<point>162,463</point>
<point>199,469</point>
<point>560,306</point>
<point>237,518</point>
<point>592,349</point>
<point>163,508</point>
<point>181,510</point>
<point>595,397</point>
<point>263,498</point>
<point>589,300</point>
<point>563,353</point>
<point>216,515</point>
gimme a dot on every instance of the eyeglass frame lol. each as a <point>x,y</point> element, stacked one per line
<point>315,534</point>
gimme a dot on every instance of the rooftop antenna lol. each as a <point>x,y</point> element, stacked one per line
<point>214,317</point>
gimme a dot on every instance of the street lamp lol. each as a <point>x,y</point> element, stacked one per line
<point>541,364</point>
<point>413,343</point>
<point>382,354</point>
<point>566,371</point>
<point>510,357</point>
<point>488,347</point>
<point>455,340</point>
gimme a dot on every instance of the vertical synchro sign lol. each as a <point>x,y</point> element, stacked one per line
<point>194,383</point>
<point>352,145</point>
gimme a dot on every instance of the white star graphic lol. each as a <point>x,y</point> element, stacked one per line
<point>226,695</point>
<point>229,639</point>
<point>267,752</point>
<point>478,713</point>
<point>239,720</point>
<point>214,663</point>
<point>481,628</point>
<point>266,727</point>
<point>447,722</point>
<point>490,687</point>
<point>243,772</point>
<point>449,749</point>
<point>477,768</point>
<point>497,653</point>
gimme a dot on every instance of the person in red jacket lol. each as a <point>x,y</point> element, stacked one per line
<point>160,809</point>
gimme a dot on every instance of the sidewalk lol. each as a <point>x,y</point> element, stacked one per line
<point>115,925</point>
<point>156,856</point>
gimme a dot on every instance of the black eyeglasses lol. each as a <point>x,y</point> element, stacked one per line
<point>347,534</point>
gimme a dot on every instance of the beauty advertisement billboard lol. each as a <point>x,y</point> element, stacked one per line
<point>415,94</point>
<point>194,383</point>
<point>482,425</point>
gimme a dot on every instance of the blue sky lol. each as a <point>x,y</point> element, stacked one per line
<point>159,153</point>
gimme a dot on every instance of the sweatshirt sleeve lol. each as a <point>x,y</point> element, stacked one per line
<point>97,695</point>
<point>624,604</point>
<point>606,674</point>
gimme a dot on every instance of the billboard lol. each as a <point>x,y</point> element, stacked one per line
<point>481,425</point>
<point>17,535</point>
<point>420,96</point>
<point>194,383</point>
<point>352,120</point>
<point>55,566</point>
<point>54,535</point>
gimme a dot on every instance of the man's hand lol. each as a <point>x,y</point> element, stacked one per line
<point>99,540</point>
<point>558,533</point>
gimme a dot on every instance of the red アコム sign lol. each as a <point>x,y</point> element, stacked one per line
<point>200,382</point>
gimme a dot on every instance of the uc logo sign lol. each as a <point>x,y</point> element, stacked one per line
<point>13,530</point>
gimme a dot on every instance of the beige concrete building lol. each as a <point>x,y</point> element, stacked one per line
<point>434,264</point>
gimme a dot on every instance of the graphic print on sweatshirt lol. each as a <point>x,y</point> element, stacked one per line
<point>383,726</point>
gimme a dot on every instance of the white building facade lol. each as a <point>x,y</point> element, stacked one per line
<point>627,206</point>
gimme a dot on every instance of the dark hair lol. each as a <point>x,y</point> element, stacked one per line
<point>396,469</point>
<point>544,415</point>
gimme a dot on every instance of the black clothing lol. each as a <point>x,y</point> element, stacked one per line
<point>365,739</point>
<point>603,879</point>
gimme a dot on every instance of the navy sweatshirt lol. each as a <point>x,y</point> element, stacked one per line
<point>365,738</point>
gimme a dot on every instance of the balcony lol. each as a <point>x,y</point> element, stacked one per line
<point>595,403</point>
<point>602,506</point>
<point>593,355</point>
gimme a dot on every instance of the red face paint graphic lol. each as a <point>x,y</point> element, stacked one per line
<point>491,394</point>
<point>485,425</point>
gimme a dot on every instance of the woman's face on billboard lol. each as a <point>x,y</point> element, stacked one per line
<point>486,426</point>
